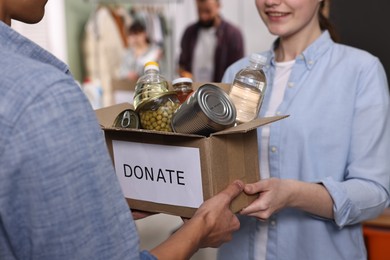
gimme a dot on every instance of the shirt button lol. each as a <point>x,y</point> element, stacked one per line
<point>278,113</point>
<point>290,84</point>
<point>273,223</point>
<point>273,149</point>
<point>310,62</point>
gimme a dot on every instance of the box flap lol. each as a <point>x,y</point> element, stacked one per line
<point>246,127</point>
<point>106,115</point>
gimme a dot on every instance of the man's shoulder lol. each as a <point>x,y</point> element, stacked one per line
<point>192,28</point>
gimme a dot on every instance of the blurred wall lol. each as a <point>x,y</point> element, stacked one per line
<point>77,13</point>
<point>364,27</point>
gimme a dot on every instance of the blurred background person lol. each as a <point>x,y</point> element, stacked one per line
<point>210,45</point>
<point>140,50</point>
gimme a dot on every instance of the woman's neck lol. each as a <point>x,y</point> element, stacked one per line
<point>291,46</point>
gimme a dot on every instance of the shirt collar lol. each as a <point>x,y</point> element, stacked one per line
<point>310,55</point>
<point>12,41</point>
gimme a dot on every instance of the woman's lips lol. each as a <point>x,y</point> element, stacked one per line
<point>276,16</point>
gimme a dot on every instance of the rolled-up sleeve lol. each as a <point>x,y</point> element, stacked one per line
<point>365,191</point>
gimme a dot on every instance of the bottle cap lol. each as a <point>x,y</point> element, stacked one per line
<point>257,58</point>
<point>151,65</point>
<point>181,80</point>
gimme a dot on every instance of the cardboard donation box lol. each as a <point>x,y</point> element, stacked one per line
<point>174,173</point>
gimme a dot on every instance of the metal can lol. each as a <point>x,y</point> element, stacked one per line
<point>127,119</point>
<point>208,110</point>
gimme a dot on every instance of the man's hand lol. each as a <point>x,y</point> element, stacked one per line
<point>212,224</point>
<point>139,214</point>
<point>218,220</point>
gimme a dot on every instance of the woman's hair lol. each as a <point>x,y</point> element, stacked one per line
<point>325,23</point>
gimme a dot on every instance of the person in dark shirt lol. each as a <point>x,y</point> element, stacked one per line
<point>210,45</point>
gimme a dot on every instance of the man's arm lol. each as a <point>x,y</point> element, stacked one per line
<point>212,225</point>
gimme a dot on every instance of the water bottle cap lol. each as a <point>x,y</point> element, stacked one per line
<point>257,58</point>
<point>151,65</point>
<point>181,80</point>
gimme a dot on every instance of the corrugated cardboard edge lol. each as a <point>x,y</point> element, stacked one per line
<point>246,127</point>
<point>153,207</point>
<point>226,149</point>
<point>107,115</point>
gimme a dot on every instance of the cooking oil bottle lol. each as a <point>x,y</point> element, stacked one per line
<point>150,84</point>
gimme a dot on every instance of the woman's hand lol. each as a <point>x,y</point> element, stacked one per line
<point>276,194</point>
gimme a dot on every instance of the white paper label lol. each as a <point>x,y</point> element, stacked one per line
<point>159,173</point>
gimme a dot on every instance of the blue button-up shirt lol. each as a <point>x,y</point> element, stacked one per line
<point>338,134</point>
<point>59,196</point>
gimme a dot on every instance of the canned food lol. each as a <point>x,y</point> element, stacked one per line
<point>209,109</point>
<point>127,119</point>
<point>156,113</point>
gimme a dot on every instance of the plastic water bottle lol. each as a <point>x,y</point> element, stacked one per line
<point>248,89</point>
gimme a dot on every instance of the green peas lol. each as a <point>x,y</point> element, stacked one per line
<point>159,118</point>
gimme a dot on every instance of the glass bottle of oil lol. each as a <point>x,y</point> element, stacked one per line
<point>150,84</point>
<point>248,89</point>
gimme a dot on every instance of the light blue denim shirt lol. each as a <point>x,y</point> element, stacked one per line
<point>338,134</point>
<point>59,196</point>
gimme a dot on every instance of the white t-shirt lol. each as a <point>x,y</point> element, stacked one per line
<point>203,60</point>
<point>282,74</point>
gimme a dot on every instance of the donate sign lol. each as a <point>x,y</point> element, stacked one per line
<point>159,173</point>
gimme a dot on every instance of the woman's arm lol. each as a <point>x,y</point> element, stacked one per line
<point>275,194</point>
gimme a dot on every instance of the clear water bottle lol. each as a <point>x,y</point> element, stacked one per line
<point>248,89</point>
<point>151,84</point>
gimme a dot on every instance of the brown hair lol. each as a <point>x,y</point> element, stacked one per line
<point>325,23</point>
<point>136,27</point>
